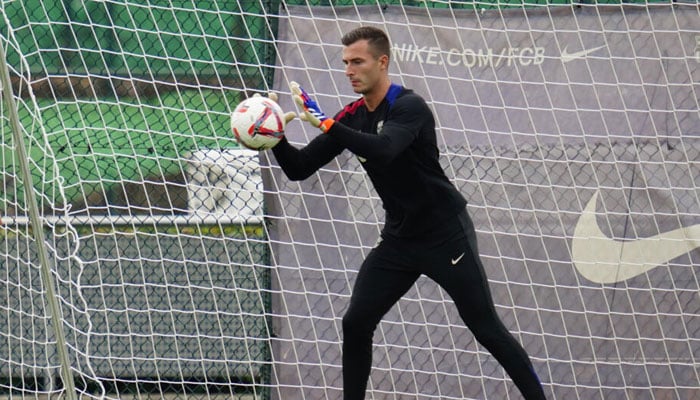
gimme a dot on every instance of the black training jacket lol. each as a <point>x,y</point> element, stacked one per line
<point>397,146</point>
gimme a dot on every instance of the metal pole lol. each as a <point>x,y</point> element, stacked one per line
<point>38,228</point>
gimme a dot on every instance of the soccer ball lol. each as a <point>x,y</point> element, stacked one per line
<point>258,123</point>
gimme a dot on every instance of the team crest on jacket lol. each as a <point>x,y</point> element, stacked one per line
<point>380,125</point>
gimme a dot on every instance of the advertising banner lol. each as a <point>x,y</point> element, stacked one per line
<point>573,132</point>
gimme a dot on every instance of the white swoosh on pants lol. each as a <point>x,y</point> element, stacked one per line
<point>604,260</point>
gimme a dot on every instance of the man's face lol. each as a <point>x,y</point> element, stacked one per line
<point>363,69</point>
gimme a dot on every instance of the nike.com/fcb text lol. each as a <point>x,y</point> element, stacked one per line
<point>469,57</point>
<point>489,57</point>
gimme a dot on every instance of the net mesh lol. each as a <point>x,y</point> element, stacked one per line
<point>186,267</point>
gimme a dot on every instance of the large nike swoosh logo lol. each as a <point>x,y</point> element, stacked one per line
<point>604,260</point>
<point>567,57</point>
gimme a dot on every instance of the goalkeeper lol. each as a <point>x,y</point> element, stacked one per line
<point>427,230</point>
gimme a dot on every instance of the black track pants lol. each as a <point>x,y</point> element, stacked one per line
<point>393,267</point>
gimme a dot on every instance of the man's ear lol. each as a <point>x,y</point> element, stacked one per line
<point>384,61</point>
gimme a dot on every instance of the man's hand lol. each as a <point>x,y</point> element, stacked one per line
<point>288,116</point>
<point>312,112</point>
<point>253,142</point>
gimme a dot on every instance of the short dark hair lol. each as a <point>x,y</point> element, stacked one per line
<point>376,38</point>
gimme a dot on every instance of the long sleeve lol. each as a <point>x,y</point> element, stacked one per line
<point>399,130</point>
<point>299,164</point>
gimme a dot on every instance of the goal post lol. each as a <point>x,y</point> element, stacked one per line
<point>187,267</point>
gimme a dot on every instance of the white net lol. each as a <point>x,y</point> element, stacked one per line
<point>185,267</point>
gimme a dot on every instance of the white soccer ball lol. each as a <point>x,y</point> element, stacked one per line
<point>258,123</point>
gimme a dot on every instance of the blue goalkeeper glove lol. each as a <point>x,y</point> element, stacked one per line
<point>312,112</point>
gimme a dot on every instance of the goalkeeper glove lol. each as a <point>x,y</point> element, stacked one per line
<point>312,112</point>
<point>288,116</point>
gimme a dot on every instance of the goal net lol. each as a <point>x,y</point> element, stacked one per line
<point>143,254</point>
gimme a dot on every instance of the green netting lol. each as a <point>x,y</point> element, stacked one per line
<point>98,144</point>
<point>139,38</point>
